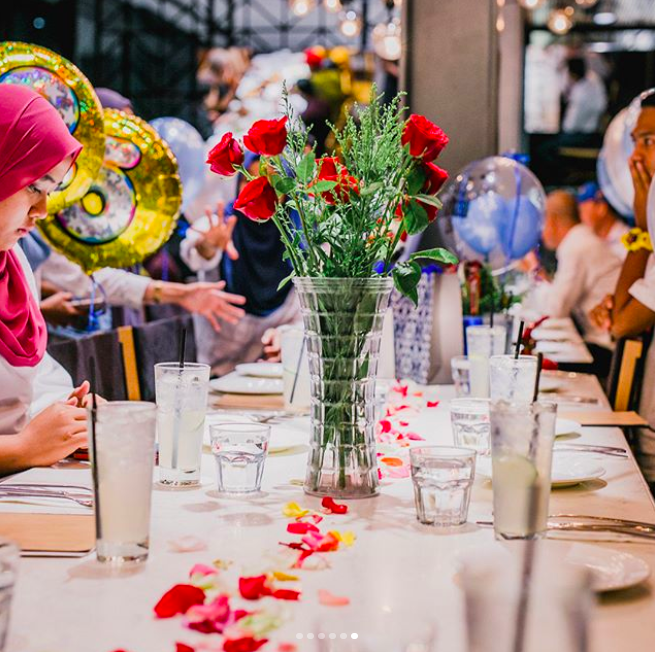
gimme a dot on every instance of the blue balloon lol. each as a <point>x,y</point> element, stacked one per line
<point>520,229</point>
<point>479,228</point>
<point>189,149</point>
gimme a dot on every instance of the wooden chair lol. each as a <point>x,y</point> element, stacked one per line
<point>624,381</point>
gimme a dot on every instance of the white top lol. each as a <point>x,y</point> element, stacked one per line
<point>25,391</point>
<point>587,102</point>
<point>613,239</point>
<point>587,271</point>
<point>188,252</point>
<point>644,291</point>
<point>120,288</point>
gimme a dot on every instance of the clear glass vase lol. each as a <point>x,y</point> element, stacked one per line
<point>343,324</point>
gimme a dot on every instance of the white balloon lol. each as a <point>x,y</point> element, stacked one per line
<point>615,159</point>
<point>650,209</point>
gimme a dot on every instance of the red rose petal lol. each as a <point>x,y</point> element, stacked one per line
<point>328,503</point>
<point>432,404</point>
<point>183,647</point>
<point>244,644</point>
<point>253,588</point>
<point>301,528</point>
<point>385,424</point>
<point>286,594</point>
<point>178,600</point>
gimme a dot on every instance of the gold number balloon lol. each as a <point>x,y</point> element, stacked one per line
<point>131,208</point>
<point>71,93</point>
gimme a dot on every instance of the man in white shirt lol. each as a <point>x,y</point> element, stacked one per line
<point>586,101</point>
<point>597,213</point>
<point>586,267</point>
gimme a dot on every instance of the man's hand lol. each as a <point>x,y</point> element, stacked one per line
<point>208,300</point>
<point>272,345</point>
<point>641,181</point>
<point>601,315</point>
<point>58,309</point>
<point>219,234</point>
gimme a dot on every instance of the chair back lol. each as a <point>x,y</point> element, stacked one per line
<point>623,385</point>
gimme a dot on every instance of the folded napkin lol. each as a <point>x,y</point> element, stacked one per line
<point>248,401</point>
<point>605,418</point>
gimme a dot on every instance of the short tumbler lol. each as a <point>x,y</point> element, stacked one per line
<point>443,477</point>
<point>469,418</point>
<point>240,452</point>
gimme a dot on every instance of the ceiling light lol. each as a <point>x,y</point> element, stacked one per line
<point>605,18</point>
<point>301,7</point>
<point>333,6</point>
<point>386,40</point>
<point>350,25</point>
<point>559,22</point>
<point>531,4</point>
<point>586,4</point>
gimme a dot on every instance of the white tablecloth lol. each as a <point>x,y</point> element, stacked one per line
<point>77,605</point>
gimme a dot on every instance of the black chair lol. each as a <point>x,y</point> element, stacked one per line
<point>75,354</point>
<point>159,341</point>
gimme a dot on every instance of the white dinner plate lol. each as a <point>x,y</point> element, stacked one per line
<point>544,346</point>
<point>611,570</point>
<point>567,427</point>
<point>284,437</point>
<point>553,335</point>
<point>260,369</point>
<point>235,383</point>
<point>568,469</point>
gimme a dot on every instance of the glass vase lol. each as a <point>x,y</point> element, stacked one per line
<point>343,320</point>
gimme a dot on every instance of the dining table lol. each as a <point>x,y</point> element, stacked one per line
<point>77,604</point>
<point>559,340</point>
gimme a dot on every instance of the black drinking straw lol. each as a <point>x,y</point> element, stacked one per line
<point>182,352</point>
<point>540,362</point>
<point>295,380</point>
<point>517,351</point>
<point>94,447</point>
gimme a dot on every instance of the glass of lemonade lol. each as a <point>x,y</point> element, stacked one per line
<point>483,342</point>
<point>522,436</point>
<point>123,463</point>
<point>512,379</point>
<point>181,408</point>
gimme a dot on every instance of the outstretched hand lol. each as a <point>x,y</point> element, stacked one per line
<point>208,300</point>
<point>219,235</point>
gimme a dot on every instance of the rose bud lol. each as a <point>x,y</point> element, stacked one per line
<point>424,138</point>
<point>257,200</point>
<point>225,156</point>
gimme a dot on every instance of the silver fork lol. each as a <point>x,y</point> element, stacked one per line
<point>590,448</point>
<point>9,492</point>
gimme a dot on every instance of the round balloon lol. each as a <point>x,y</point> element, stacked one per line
<point>71,93</point>
<point>189,148</point>
<point>131,208</point>
<point>650,211</point>
<point>612,167</point>
<point>493,211</point>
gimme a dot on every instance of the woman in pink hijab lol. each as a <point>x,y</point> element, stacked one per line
<point>41,415</point>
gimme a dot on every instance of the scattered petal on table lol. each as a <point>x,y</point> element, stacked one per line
<point>385,425</point>
<point>180,647</point>
<point>392,461</point>
<point>414,436</point>
<point>221,564</point>
<point>202,569</point>
<point>286,594</point>
<point>188,543</point>
<point>418,394</point>
<point>404,424</point>
<point>253,588</point>
<point>301,528</point>
<point>347,538</point>
<point>287,647</point>
<point>178,600</point>
<point>330,600</point>
<point>245,644</point>
<point>398,472</point>
<point>294,510</point>
<point>334,508</point>
<point>284,577</point>
<point>433,404</point>
<point>400,389</point>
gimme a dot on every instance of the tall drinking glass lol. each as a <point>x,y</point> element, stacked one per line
<point>123,463</point>
<point>181,407</point>
<point>522,437</point>
<point>505,612</point>
<point>512,379</point>
<point>482,343</point>
<point>461,371</point>
<point>9,555</point>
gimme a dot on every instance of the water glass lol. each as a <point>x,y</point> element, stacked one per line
<point>122,462</point>
<point>483,342</point>
<point>240,452</point>
<point>512,379</point>
<point>461,371</point>
<point>504,612</point>
<point>442,477</point>
<point>181,407</point>
<point>9,556</point>
<point>522,436</point>
<point>469,418</point>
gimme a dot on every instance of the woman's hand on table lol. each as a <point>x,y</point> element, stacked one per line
<point>208,300</point>
<point>53,434</point>
<point>83,397</point>
<point>601,315</point>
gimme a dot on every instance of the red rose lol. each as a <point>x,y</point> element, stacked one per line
<point>327,167</point>
<point>424,138</point>
<point>435,177</point>
<point>257,200</point>
<point>178,600</point>
<point>345,185</point>
<point>225,156</point>
<point>253,588</point>
<point>267,137</point>
<point>428,208</point>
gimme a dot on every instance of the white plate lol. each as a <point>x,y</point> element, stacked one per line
<point>284,436</point>
<point>567,427</point>
<point>611,570</point>
<point>545,346</point>
<point>548,384</point>
<point>260,369</point>
<point>235,383</point>
<point>553,335</point>
<point>568,469</point>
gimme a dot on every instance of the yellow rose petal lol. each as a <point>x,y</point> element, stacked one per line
<point>294,510</point>
<point>284,577</point>
<point>347,538</point>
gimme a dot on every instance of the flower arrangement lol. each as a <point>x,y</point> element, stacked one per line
<point>354,208</point>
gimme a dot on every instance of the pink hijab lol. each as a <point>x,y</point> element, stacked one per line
<point>33,140</point>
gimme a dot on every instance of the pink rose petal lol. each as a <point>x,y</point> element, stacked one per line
<point>328,599</point>
<point>188,543</point>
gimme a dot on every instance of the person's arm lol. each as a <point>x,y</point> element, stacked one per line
<point>629,316</point>
<point>567,285</point>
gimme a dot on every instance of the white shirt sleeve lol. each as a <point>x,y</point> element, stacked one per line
<point>189,253</point>
<point>52,383</point>
<point>120,287</point>
<point>644,289</point>
<point>567,286</point>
